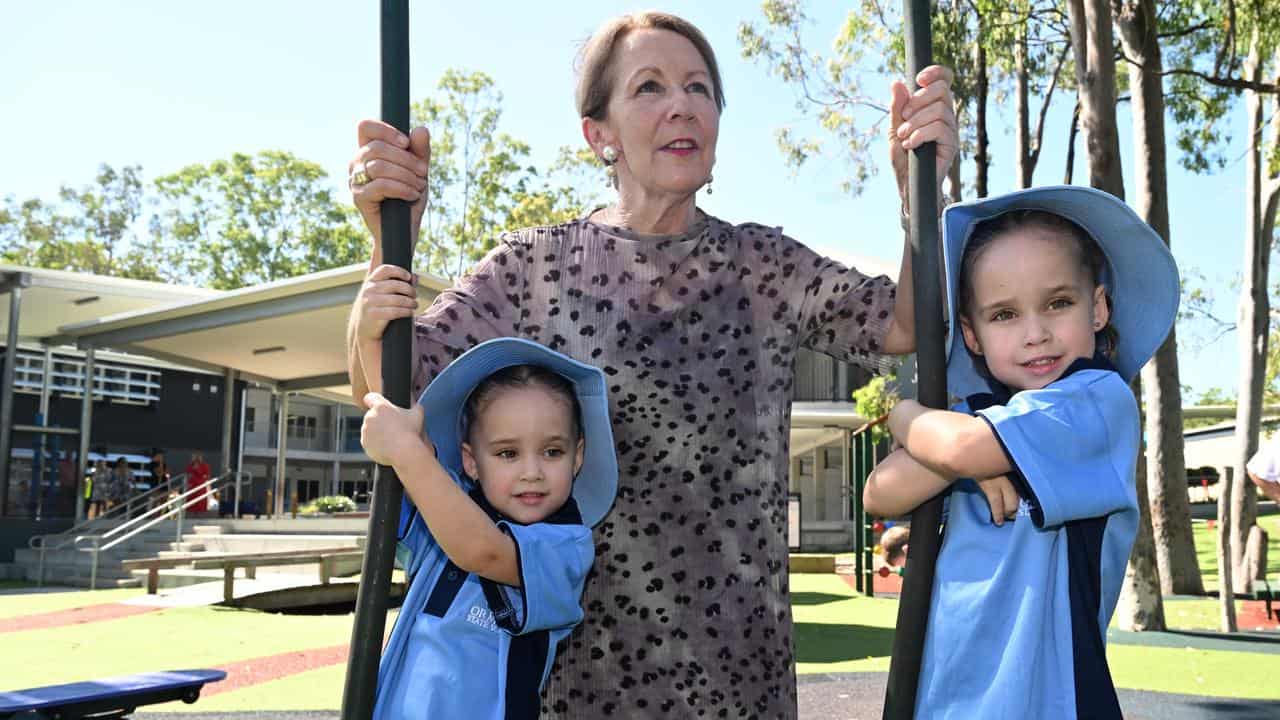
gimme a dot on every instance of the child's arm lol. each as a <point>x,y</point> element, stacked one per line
<point>900,484</point>
<point>951,444</point>
<point>392,436</point>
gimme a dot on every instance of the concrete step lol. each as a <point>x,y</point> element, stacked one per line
<point>82,581</point>
<point>66,575</point>
<point>206,529</point>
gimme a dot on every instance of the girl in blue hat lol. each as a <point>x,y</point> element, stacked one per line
<point>515,465</point>
<point>1058,297</point>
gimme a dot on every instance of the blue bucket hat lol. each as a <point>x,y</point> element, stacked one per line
<point>446,397</point>
<point>1140,276</point>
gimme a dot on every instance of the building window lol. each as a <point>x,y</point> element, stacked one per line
<point>250,420</point>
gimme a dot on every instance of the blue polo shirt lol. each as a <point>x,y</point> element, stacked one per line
<point>467,647</point>
<point>1019,615</point>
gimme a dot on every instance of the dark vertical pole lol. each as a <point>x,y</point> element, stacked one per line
<point>917,586</point>
<point>859,483</point>
<point>361,687</point>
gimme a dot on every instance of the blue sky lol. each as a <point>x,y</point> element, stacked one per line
<point>166,84</point>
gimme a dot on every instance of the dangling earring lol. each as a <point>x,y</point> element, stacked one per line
<point>610,156</point>
<point>709,179</point>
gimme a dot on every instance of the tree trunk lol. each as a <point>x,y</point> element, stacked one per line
<point>1252,325</point>
<point>1023,110</point>
<point>1071,145</point>
<point>981,155</point>
<point>1141,605</point>
<point>1096,74</point>
<point>1166,467</point>
<point>1226,598</point>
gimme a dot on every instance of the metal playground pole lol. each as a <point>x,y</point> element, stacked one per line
<point>926,260</point>
<point>360,690</point>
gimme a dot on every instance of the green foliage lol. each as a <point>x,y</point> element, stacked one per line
<point>328,504</point>
<point>253,219</point>
<point>480,182</point>
<point>87,229</point>
<point>843,89</point>
<point>876,399</point>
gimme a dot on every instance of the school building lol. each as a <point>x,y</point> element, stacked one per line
<point>188,370</point>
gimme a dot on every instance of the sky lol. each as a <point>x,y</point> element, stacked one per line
<point>168,84</point>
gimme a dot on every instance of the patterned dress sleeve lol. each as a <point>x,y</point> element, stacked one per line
<point>484,304</point>
<point>841,312</point>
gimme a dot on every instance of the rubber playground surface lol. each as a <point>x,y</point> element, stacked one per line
<point>290,666</point>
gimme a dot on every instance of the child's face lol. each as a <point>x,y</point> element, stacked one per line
<point>1035,309</point>
<point>524,453</point>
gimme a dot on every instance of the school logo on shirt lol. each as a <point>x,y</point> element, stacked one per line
<point>1024,507</point>
<point>482,617</point>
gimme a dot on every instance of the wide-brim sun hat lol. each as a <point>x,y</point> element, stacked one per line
<point>1141,276</point>
<point>445,398</point>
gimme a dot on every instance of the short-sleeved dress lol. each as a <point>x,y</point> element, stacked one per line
<point>687,607</point>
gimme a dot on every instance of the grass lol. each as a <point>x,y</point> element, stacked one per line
<point>1206,540</point>
<point>835,631</point>
<point>14,605</point>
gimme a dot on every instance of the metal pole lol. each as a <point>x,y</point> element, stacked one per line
<point>6,390</point>
<point>228,413</point>
<point>244,405</point>
<point>282,441</point>
<point>361,687</point>
<point>864,521</point>
<point>86,428</point>
<point>917,586</point>
<point>337,448</point>
<point>42,419</point>
<point>855,457</point>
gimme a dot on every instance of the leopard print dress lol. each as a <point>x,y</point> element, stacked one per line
<point>687,607</point>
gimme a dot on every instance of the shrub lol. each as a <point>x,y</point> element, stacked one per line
<point>328,504</point>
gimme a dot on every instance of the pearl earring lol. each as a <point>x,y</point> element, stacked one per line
<point>610,156</point>
<point>709,179</point>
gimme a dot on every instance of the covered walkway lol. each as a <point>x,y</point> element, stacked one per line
<point>286,336</point>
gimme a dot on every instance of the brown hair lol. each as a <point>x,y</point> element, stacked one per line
<point>1091,257</point>
<point>894,542</point>
<point>518,376</point>
<point>595,83</point>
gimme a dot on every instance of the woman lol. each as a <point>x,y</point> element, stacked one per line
<point>121,488</point>
<point>696,323</point>
<point>198,473</point>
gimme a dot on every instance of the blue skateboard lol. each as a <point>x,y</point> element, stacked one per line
<point>108,698</point>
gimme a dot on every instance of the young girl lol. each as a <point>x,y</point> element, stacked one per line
<point>516,466</point>
<point>1059,295</point>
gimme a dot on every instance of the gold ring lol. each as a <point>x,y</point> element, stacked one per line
<point>359,176</point>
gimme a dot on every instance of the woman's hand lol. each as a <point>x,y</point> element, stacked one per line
<point>397,168</point>
<point>390,432</point>
<point>928,115</point>
<point>386,294</point>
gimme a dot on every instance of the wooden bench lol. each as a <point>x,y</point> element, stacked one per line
<point>326,557</point>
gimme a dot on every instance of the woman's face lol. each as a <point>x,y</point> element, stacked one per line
<point>662,116</point>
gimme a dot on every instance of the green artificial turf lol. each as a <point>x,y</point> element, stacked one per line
<point>1206,540</point>
<point>836,630</point>
<point>33,603</point>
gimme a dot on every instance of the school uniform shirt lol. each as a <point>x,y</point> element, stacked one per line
<point>467,647</point>
<point>1019,615</point>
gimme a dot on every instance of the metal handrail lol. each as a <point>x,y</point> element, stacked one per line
<point>66,537</point>
<point>176,505</point>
